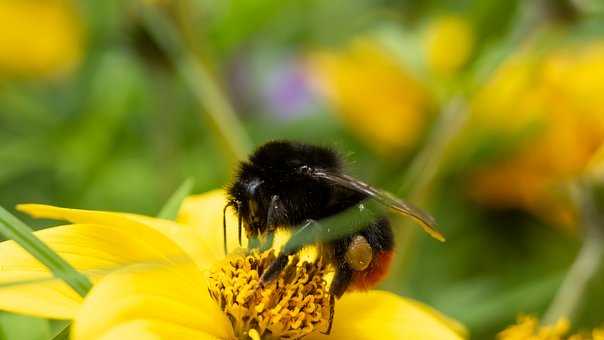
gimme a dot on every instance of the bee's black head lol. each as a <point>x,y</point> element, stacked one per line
<point>276,168</point>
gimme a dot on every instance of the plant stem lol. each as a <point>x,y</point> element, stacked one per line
<point>425,166</point>
<point>587,262</point>
<point>424,170</point>
<point>201,82</point>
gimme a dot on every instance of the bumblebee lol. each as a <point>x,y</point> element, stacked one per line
<point>299,186</point>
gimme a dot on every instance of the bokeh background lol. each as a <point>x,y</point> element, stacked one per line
<point>488,113</point>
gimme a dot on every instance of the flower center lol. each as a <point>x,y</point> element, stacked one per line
<point>294,305</point>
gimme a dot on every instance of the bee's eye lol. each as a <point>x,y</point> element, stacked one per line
<point>359,253</point>
<point>305,170</point>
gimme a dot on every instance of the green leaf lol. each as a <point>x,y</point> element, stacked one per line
<point>170,209</point>
<point>61,330</point>
<point>14,229</point>
<point>201,81</point>
<point>15,326</point>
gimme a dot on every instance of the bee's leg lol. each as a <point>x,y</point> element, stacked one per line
<point>224,228</point>
<point>342,278</point>
<point>239,223</point>
<point>276,213</point>
<point>303,236</point>
<point>332,305</point>
<point>340,283</point>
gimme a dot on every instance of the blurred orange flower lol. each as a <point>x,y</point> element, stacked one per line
<point>39,37</point>
<point>554,101</point>
<point>374,94</point>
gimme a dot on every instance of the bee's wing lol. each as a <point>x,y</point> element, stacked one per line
<point>426,221</point>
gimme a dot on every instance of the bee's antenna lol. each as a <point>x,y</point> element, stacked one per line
<point>224,228</point>
<point>239,224</point>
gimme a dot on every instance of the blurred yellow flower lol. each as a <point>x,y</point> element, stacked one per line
<point>39,37</point>
<point>448,44</point>
<point>528,328</point>
<point>595,167</point>
<point>158,279</point>
<point>554,103</point>
<point>373,94</point>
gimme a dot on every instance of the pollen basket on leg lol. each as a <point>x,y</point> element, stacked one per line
<point>294,305</point>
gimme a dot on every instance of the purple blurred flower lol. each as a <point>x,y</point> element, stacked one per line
<point>287,93</point>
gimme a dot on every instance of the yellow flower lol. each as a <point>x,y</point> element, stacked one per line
<point>373,94</point>
<point>157,279</point>
<point>552,106</point>
<point>38,37</point>
<point>448,44</point>
<point>595,168</point>
<point>528,328</point>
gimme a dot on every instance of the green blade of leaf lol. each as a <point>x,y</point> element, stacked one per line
<point>15,326</point>
<point>170,209</point>
<point>61,330</point>
<point>12,228</point>
<point>200,80</point>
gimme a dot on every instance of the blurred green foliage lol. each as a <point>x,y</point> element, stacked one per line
<point>122,130</point>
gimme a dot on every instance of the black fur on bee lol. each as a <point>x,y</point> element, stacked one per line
<point>293,185</point>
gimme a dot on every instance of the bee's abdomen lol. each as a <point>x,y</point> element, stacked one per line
<point>375,272</point>
<point>381,239</point>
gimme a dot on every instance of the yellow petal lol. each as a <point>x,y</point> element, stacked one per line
<point>153,330</point>
<point>383,315</point>
<point>174,296</point>
<point>196,247</point>
<point>204,213</point>
<point>96,250</point>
